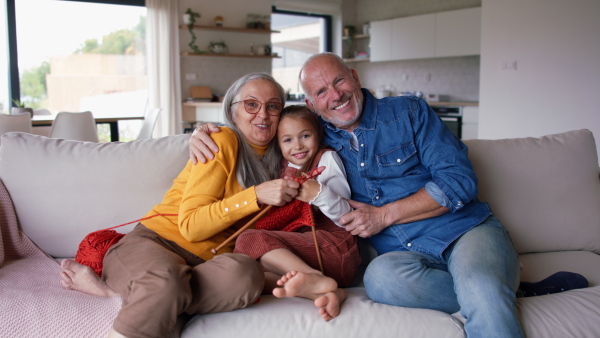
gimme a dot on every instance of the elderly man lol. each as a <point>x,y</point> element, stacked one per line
<point>414,194</point>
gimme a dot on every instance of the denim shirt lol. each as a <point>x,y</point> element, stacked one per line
<point>402,146</point>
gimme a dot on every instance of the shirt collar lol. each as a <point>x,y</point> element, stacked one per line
<point>295,166</point>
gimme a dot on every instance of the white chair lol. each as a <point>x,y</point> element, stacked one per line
<point>75,126</point>
<point>21,122</point>
<point>148,124</point>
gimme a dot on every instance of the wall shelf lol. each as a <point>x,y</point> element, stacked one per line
<point>232,29</point>
<point>357,40</point>
<point>357,36</point>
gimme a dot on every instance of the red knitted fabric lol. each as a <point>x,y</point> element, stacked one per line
<point>294,214</point>
<point>289,217</point>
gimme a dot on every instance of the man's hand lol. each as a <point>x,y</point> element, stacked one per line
<point>202,147</point>
<point>276,192</point>
<point>365,220</point>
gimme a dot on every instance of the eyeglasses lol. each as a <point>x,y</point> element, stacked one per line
<point>253,107</point>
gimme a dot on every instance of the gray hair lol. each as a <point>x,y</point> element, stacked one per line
<point>310,59</point>
<point>250,168</point>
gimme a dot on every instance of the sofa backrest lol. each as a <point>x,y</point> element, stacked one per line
<point>63,190</point>
<point>545,191</point>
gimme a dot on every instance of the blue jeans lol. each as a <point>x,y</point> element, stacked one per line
<point>478,277</point>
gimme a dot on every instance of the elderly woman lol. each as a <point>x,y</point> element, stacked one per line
<point>164,267</point>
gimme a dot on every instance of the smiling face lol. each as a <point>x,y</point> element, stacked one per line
<point>333,91</point>
<point>260,128</point>
<point>298,140</point>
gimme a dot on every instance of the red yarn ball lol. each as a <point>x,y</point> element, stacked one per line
<point>94,246</point>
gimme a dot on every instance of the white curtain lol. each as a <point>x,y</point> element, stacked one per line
<point>162,44</point>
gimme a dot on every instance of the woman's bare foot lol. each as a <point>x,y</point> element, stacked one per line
<point>75,276</point>
<point>302,284</point>
<point>329,304</point>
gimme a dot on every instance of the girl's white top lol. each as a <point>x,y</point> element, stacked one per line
<point>334,187</point>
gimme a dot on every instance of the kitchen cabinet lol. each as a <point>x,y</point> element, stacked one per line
<point>381,40</point>
<point>443,34</point>
<point>413,37</point>
<point>470,122</point>
<point>458,32</point>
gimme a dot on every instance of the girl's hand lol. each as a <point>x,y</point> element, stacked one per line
<point>309,190</point>
<point>276,192</point>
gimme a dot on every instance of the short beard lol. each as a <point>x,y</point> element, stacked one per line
<point>342,124</point>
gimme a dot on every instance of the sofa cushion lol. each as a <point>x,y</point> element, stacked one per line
<point>298,317</point>
<point>545,191</point>
<point>573,313</point>
<point>63,190</point>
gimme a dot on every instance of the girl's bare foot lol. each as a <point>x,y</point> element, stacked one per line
<point>329,303</point>
<point>302,284</point>
<point>75,276</point>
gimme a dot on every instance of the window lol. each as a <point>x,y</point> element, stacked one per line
<point>301,35</point>
<point>76,56</point>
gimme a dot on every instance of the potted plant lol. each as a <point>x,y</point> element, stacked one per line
<point>20,108</point>
<point>190,19</point>
<point>218,21</point>
<point>218,47</point>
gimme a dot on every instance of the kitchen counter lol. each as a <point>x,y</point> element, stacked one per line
<point>453,104</point>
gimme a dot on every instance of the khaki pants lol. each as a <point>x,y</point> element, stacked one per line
<point>159,280</point>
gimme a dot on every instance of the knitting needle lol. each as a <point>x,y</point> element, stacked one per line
<point>314,232</point>
<point>260,214</point>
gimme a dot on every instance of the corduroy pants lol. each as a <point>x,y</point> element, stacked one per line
<point>159,280</point>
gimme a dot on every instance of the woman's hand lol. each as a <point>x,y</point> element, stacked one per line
<point>202,147</point>
<point>276,192</point>
<point>309,190</point>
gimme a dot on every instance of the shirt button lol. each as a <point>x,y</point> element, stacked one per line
<point>409,245</point>
<point>398,160</point>
<point>237,205</point>
<point>376,197</point>
<point>245,202</point>
<point>362,144</point>
<point>459,203</point>
<point>362,164</point>
<point>226,209</point>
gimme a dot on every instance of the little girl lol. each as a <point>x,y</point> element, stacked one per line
<point>286,232</point>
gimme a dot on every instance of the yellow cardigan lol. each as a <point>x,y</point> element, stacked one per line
<point>210,202</point>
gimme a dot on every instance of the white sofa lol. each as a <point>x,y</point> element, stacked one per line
<point>546,191</point>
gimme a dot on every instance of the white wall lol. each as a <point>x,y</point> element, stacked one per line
<point>556,84</point>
